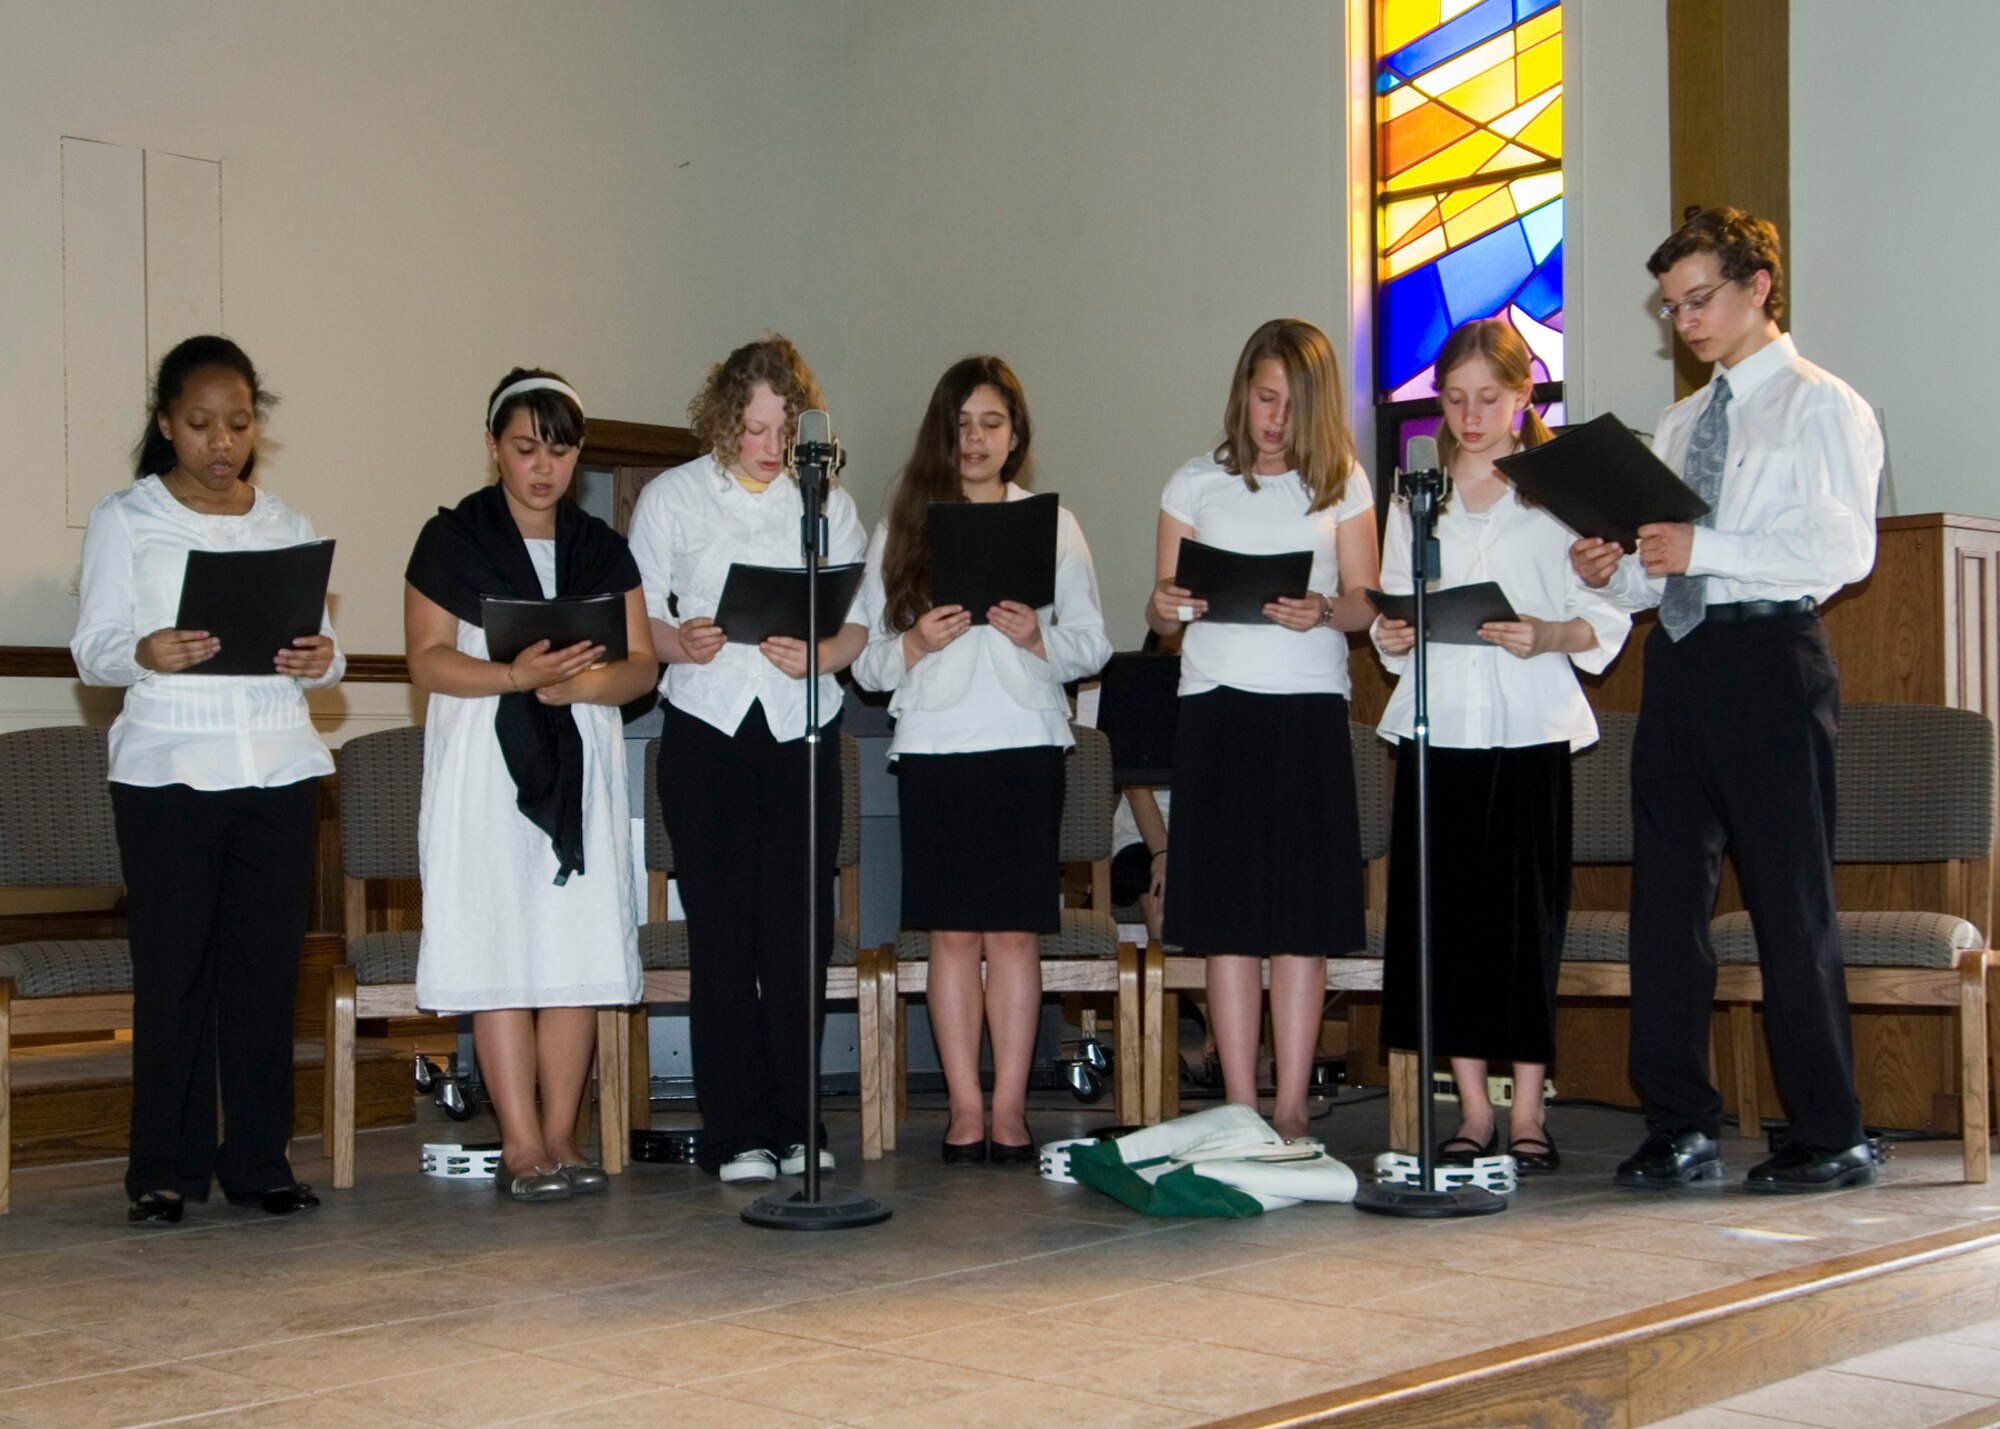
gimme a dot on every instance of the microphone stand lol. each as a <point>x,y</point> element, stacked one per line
<point>1424,492</point>
<point>808,1210</point>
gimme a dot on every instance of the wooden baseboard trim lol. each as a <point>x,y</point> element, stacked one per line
<point>1652,1364</point>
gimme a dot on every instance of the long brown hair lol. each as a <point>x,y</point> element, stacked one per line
<point>931,474</point>
<point>1318,445</point>
<point>1507,353</point>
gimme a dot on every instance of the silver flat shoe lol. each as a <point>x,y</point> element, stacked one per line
<point>536,1185</point>
<point>586,1178</point>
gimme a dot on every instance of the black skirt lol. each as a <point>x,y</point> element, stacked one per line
<point>1500,864</point>
<point>980,840</point>
<point>1266,844</point>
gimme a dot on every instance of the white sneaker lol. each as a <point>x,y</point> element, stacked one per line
<point>758,1165</point>
<point>794,1162</point>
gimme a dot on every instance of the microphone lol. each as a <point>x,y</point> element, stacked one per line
<point>816,454</point>
<point>1424,489</point>
<point>1423,469</point>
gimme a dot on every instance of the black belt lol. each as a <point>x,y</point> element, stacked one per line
<point>1759,609</point>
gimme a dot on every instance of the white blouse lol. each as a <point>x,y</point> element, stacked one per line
<point>983,691</point>
<point>690,525</point>
<point>1481,696</point>
<point>205,731</point>
<point>1264,659</point>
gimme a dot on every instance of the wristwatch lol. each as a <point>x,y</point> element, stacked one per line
<point>1325,611</point>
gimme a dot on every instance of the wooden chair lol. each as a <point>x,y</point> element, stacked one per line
<point>1167,973</point>
<point>663,945</point>
<point>1915,786</point>
<point>1084,955</point>
<point>56,831</point>
<point>381,791</point>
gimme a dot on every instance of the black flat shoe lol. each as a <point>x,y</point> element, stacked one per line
<point>1799,1168</point>
<point>1027,1154</point>
<point>965,1153</point>
<point>1668,1160</point>
<point>154,1209</point>
<point>1535,1155</point>
<point>1463,1150</point>
<point>293,1200</point>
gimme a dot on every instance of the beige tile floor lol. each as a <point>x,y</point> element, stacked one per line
<point>990,1297</point>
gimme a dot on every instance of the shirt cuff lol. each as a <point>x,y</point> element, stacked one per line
<point>1713,552</point>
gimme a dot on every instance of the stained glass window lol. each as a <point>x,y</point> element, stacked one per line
<point>1468,190</point>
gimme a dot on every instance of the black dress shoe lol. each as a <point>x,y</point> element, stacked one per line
<point>1799,1168</point>
<point>965,1153</point>
<point>1026,1154</point>
<point>1669,1159</point>
<point>1463,1150</point>
<point>293,1200</point>
<point>155,1209</point>
<point>1535,1155</point>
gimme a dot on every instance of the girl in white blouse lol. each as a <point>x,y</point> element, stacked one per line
<point>733,752</point>
<point>1266,850</point>
<point>214,787</point>
<point>982,728</point>
<point>1504,718</point>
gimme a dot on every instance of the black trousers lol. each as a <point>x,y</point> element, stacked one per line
<point>735,808</point>
<point>217,884</point>
<point>1735,749</point>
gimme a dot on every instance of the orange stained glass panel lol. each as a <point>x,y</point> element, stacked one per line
<point>1461,160</point>
<point>1424,224</point>
<point>1411,137</point>
<point>1485,96</point>
<point>1401,21</point>
<point>1540,27</point>
<point>1545,131</point>
<point>1491,213</point>
<point>1540,68</point>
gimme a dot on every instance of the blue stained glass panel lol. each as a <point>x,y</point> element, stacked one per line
<point>1544,227</point>
<point>1457,35</point>
<point>1542,296</point>
<point>1524,8</point>
<point>1480,277</point>
<point>1413,315</point>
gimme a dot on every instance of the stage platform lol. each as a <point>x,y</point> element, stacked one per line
<point>991,1298</point>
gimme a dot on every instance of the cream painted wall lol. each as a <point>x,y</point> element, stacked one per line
<point>1893,217</point>
<point>415,198</point>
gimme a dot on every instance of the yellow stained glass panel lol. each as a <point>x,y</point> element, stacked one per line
<point>1489,213</point>
<point>1513,156</point>
<point>1541,67</point>
<point>1431,245</point>
<point>1485,96</point>
<point>1545,132</point>
<point>1533,31</point>
<point>1458,201</point>
<point>1401,22</point>
<point>1453,73</point>
<point>1461,160</point>
<point>1515,121</point>
<point>1400,219</point>
<point>1401,100</point>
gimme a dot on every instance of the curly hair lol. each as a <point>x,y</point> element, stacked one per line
<point>716,413</point>
<point>1743,245</point>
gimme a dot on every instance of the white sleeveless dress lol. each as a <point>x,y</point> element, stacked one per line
<point>498,932</point>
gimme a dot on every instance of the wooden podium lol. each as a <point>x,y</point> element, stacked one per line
<point>1924,628</point>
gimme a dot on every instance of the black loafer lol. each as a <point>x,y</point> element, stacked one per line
<point>293,1200</point>
<point>1667,1160</point>
<point>965,1153</point>
<point>1463,1150</point>
<point>1542,1162</point>
<point>154,1209</point>
<point>1798,1168</point>
<point>1026,1154</point>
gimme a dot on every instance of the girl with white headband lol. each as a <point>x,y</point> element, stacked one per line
<point>531,909</point>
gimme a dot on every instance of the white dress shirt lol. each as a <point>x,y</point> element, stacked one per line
<point>1796,515</point>
<point>690,525</point>
<point>1482,697</point>
<point>205,731</point>
<point>983,691</point>
<point>1264,659</point>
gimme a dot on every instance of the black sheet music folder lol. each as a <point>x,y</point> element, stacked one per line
<point>984,552</point>
<point>1237,586</point>
<point>759,602</point>
<point>1454,614</point>
<point>1601,480</point>
<point>513,625</point>
<point>255,602</point>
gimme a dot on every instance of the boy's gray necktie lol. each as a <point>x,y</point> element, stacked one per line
<point>1685,602</point>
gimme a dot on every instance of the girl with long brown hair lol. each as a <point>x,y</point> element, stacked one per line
<point>1266,849</point>
<point>982,728</point>
<point>1504,717</point>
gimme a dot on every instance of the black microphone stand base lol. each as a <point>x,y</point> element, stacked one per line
<point>1416,1203</point>
<point>835,1210</point>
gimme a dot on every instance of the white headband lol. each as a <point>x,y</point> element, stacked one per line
<point>531,384</point>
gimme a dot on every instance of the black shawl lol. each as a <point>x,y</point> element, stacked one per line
<point>474,550</point>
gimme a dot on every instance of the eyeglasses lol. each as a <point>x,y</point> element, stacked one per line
<point>1692,303</point>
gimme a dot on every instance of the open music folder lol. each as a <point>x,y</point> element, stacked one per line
<point>984,552</point>
<point>255,602</point>
<point>513,625</point>
<point>1601,480</point>
<point>1451,616</point>
<point>759,602</point>
<point>1238,586</point>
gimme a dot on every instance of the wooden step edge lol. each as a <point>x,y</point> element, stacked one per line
<point>1651,1364</point>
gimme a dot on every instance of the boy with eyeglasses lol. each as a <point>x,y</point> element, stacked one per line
<point>1740,715</point>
